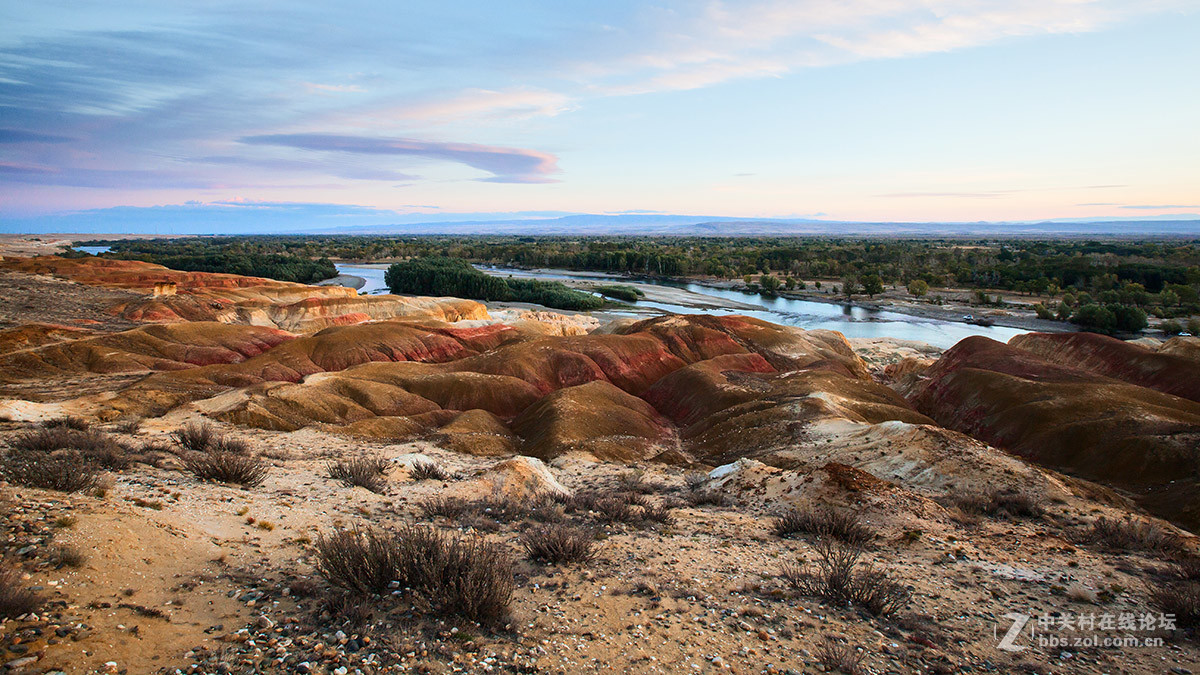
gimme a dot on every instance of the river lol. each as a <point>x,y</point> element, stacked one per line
<point>852,320</point>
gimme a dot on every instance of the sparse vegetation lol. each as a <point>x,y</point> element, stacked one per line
<point>15,599</point>
<point>839,577</point>
<point>559,544</point>
<point>130,426</point>
<point>1180,599</point>
<point>467,577</point>
<point>364,472</point>
<point>822,523</point>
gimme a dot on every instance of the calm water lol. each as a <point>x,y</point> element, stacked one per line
<point>851,320</point>
<point>94,250</point>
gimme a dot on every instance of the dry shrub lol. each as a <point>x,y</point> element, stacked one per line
<point>422,470</point>
<point>226,467</point>
<point>839,577</point>
<point>823,523</point>
<point>196,437</point>
<point>361,560</point>
<point>839,657</point>
<point>63,470</point>
<point>467,577</point>
<point>1132,535</point>
<point>76,423</point>
<point>99,447</point>
<point>364,472</point>
<point>15,599</point>
<point>999,504</point>
<point>130,426</point>
<point>558,544</point>
<point>1180,599</point>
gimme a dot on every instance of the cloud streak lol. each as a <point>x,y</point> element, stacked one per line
<point>507,165</point>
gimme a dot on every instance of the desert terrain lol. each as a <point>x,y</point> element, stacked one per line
<point>209,473</point>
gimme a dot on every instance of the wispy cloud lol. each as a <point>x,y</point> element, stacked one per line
<point>1153,207</point>
<point>22,136</point>
<point>520,103</point>
<point>507,165</point>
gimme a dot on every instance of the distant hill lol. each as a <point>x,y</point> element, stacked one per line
<point>289,218</point>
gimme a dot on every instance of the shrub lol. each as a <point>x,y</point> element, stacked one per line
<point>557,544</point>
<point>98,447</point>
<point>131,426</point>
<point>195,437</point>
<point>423,470</point>
<point>362,560</point>
<point>15,599</point>
<point>839,577</point>
<point>364,472</point>
<point>467,577</point>
<point>65,471</point>
<point>824,523</point>
<point>226,467</point>
<point>1132,535</point>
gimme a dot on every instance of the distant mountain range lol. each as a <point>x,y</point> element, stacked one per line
<point>293,218</point>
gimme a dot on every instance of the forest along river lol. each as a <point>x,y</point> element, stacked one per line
<point>853,321</point>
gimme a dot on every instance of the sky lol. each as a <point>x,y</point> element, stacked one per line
<point>870,110</point>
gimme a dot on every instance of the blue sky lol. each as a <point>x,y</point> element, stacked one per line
<point>848,110</point>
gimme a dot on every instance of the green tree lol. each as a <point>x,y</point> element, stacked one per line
<point>769,283</point>
<point>1097,318</point>
<point>872,285</point>
<point>918,287</point>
